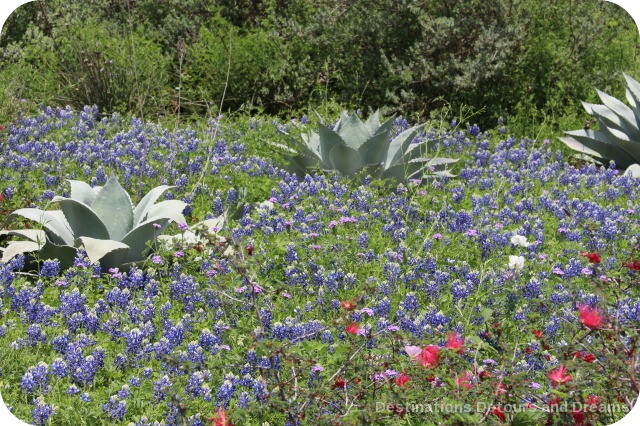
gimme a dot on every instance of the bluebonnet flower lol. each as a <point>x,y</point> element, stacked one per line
<point>59,368</point>
<point>160,387</point>
<point>42,412</point>
<point>197,387</point>
<point>226,392</point>
<point>36,378</point>
<point>115,408</point>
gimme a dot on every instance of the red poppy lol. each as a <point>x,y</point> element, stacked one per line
<point>465,380</point>
<point>538,333</point>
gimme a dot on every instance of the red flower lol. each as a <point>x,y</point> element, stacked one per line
<point>455,342</point>
<point>592,400</point>
<point>465,381</point>
<point>593,257</point>
<point>352,328</point>
<point>220,419</point>
<point>339,383</point>
<point>249,249</point>
<point>501,388</point>
<point>589,358</point>
<point>538,334</point>
<point>634,265</point>
<point>401,380</point>
<point>578,417</point>
<point>559,375</point>
<point>397,410</point>
<point>429,356</point>
<point>497,411</point>
<point>348,306</point>
<point>591,317</point>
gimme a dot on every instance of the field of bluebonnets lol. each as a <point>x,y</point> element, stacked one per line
<point>505,295</point>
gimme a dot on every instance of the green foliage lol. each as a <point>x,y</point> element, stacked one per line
<point>225,63</point>
<point>101,220</point>
<point>110,70</point>
<point>525,60</point>
<point>619,136</point>
<point>353,146</point>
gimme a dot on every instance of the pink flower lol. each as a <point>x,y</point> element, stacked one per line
<point>465,381</point>
<point>591,317</point>
<point>352,328</point>
<point>429,356</point>
<point>220,419</point>
<point>413,351</point>
<point>559,375</point>
<point>455,342</point>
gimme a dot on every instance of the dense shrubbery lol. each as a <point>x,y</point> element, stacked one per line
<point>525,59</point>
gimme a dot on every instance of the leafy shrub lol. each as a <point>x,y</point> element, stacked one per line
<point>250,59</point>
<point>110,70</point>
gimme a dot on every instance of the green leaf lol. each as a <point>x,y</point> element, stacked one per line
<point>35,235</point>
<point>625,115</point>
<point>399,145</point>
<point>66,254</point>
<point>109,253</point>
<point>113,207</point>
<point>83,221</point>
<point>354,132</point>
<point>528,418</point>
<point>301,165</point>
<point>139,238</point>
<point>597,144</point>
<point>145,204</point>
<point>375,150</point>
<point>633,96</point>
<point>169,209</point>
<point>328,140</point>
<point>346,160</point>
<point>81,191</point>
<point>53,220</point>
<point>15,248</point>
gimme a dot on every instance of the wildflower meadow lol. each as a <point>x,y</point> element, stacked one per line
<point>325,300</point>
<point>284,252</point>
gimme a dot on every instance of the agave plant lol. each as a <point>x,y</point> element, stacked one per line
<point>353,146</point>
<point>101,220</point>
<point>619,136</point>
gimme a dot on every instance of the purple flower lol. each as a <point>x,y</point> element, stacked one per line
<point>157,259</point>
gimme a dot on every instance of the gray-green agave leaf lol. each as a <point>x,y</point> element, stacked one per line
<point>100,220</point>
<point>354,147</point>
<point>618,139</point>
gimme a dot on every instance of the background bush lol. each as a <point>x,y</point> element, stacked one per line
<point>528,61</point>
